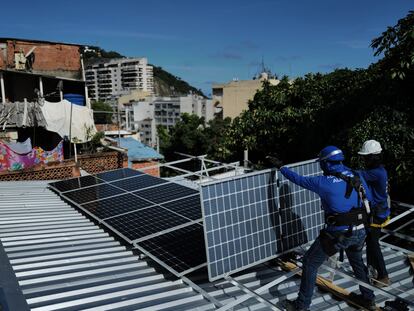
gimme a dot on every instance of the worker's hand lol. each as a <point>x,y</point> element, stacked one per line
<point>274,161</point>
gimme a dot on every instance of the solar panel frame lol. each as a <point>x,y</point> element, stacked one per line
<point>59,186</point>
<point>175,257</point>
<point>113,175</point>
<point>215,274</point>
<point>284,242</point>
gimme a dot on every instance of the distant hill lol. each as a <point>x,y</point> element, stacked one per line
<point>165,83</point>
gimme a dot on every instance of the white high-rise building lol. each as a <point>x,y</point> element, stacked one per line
<point>111,79</point>
<point>166,111</point>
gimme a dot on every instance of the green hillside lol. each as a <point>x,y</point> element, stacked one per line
<point>166,84</point>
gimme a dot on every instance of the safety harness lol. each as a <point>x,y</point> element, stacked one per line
<point>356,216</point>
<point>353,218</point>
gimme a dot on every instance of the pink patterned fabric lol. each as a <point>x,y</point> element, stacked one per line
<point>12,161</point>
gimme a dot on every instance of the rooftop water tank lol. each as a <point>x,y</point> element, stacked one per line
<point>76,99</point>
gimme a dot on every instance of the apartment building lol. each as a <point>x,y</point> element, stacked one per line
<point>167,111</point>
<point>232,97</point>
<point>108,80</point>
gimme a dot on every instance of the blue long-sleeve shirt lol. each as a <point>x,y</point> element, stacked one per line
<point>330,189</point>
<point>377,180</point>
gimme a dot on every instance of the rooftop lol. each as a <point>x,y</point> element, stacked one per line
<point>62,260</point>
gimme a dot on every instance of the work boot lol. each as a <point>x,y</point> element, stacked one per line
<point>363,302</point>
<point>291,305</point>
<point>382,282</point>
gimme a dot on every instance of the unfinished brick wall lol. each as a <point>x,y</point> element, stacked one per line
<point>100,162</point>
<point>56,59</point>
<point>152,171</point>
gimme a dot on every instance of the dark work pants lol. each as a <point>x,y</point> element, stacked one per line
<point>374,254</point>
<point>315,257</point>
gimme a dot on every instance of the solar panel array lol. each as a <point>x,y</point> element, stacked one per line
<point>248,219</point>
<point>252,218</point>
<point>143,210</point>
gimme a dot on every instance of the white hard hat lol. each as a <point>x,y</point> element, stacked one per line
<point>370,147</point>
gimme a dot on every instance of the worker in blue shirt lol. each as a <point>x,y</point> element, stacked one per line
<point>377,180</point>
<point>344,229</point>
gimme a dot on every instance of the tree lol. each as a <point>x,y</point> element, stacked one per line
<point>102,112</point>
<point>187,136</point>
<point>397,46</point>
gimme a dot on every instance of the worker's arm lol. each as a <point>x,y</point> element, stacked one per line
<point>310,183</point>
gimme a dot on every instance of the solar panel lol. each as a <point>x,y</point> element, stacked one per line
<point>139,207</point>
<point>165,192</point>
<point>252,218</point>
<point>89,194</point>
<point>241,222</point>
<point>114,206</point>
<point>75,183</point>
<point>145,222</point>
<point>300,210</point>
<point>183,250</point>
<point>139,182</point>
<point>118,174</point>
<point>189,207</point>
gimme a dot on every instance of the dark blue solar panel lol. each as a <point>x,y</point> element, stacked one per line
<point>189,207</point>
<point>139,182</point>
<point>182,249</point>
<point>98,192</point>
<point>144,222</point>
<point>118,174</point>
<point>75,183</point>
<point>165,192</point>
<point>115,205</point>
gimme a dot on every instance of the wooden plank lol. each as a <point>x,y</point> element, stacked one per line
<point>326,285</point>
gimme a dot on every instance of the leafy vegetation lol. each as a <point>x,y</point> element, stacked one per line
<point>177,86</point>
<point>102,112</point>
<point>344,108</point>
<point>191,135</point>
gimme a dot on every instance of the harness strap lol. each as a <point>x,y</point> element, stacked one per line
<point>354,217</point>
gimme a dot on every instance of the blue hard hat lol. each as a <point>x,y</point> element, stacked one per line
<point>331,153</point>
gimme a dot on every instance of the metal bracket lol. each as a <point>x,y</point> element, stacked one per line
<point>256,293</point>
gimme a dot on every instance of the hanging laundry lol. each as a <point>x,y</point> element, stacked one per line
<point>13,161</point>
<point>59,117</point>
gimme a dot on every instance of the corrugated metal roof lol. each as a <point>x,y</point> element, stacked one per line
<point>64,262</point>
<point>137,151</point>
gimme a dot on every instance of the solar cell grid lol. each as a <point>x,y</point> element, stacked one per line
<point>118,174</point>
<point>240,221</point>
<point>165,192</point>
<point>145,222</point>
<point>75,183</point>
<point>85,195</point>
<point>189,207</point>
<point>115,206</point>
<point>300,212</point>
<point>182,249</point>
<point>139,182</point>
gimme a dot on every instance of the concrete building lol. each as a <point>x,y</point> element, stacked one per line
<point>167,111</point>
<point>30,69</point>
<point>108,80</point>
<point>232,97</point>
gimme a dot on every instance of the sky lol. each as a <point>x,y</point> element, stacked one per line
<point>215,41</point>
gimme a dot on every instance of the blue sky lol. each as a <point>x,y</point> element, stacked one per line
<point>215,41</point>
